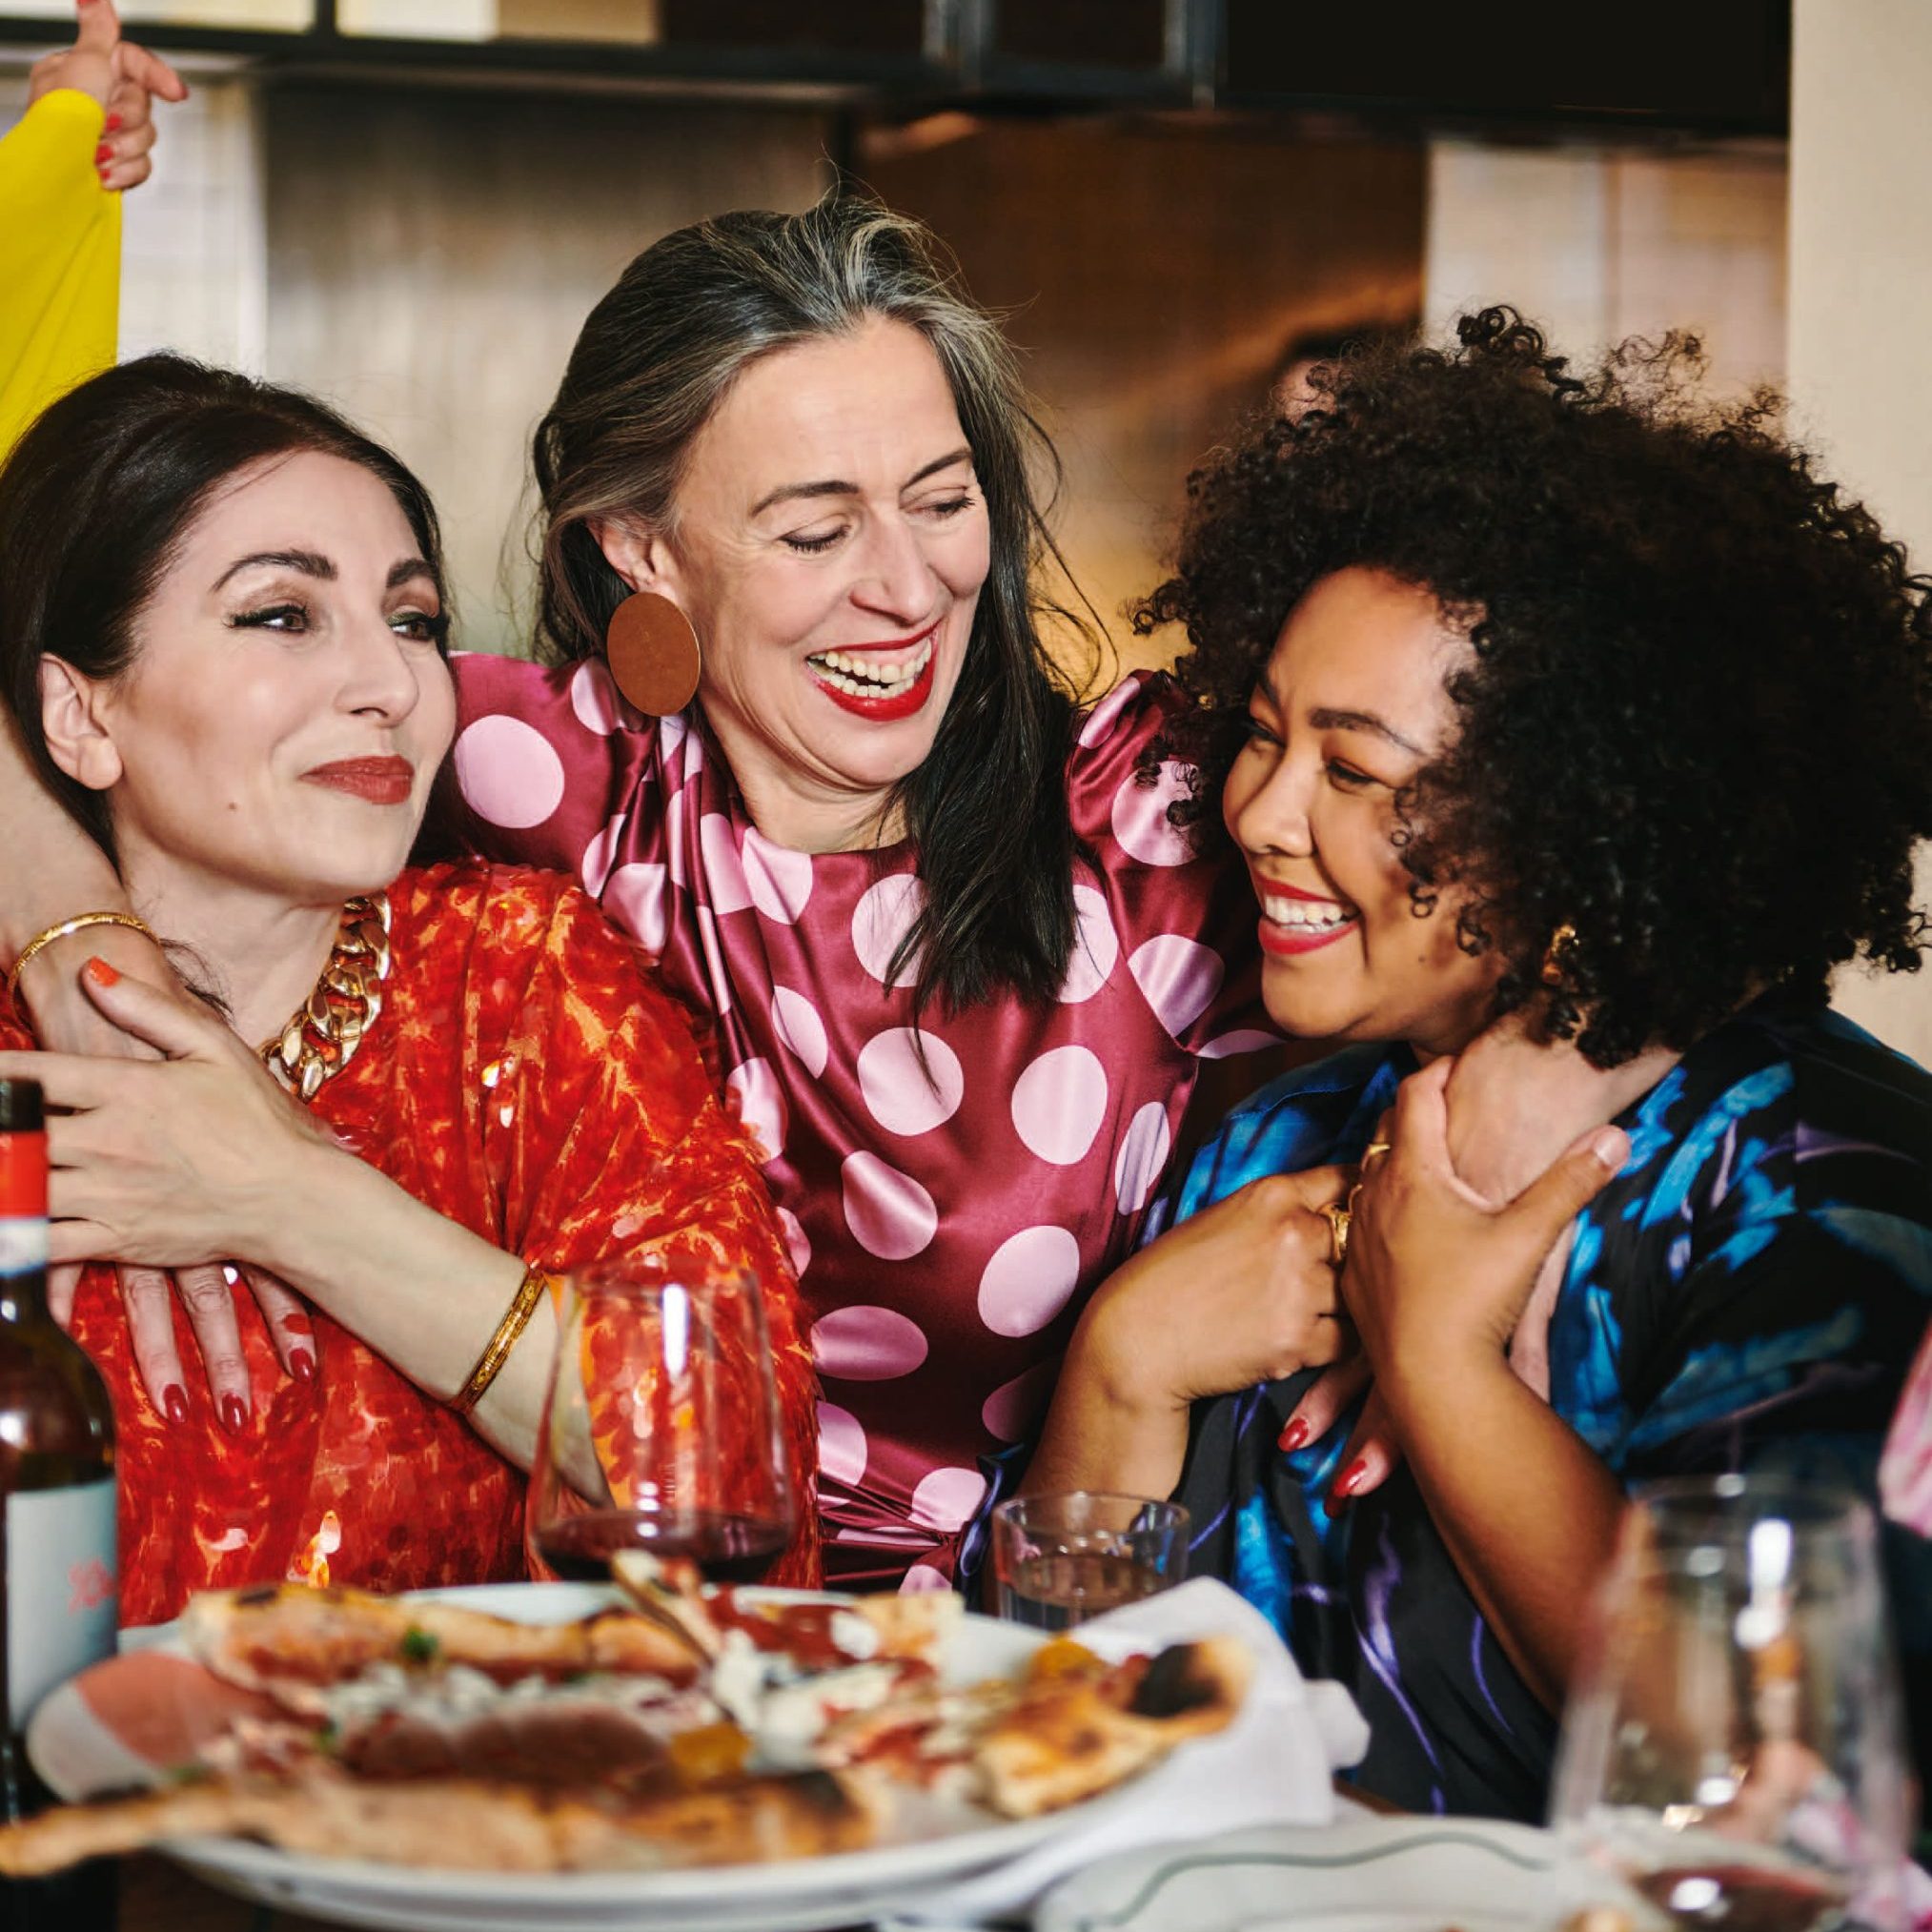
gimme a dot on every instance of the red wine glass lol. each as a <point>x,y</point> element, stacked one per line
<point>660,1428</point>
<point>1731,1753</point>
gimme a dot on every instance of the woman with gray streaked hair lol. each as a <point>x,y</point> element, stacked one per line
<point>959,968</point>
<point>798,733</point>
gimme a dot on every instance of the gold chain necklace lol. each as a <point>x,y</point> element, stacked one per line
<point>323,1034</point>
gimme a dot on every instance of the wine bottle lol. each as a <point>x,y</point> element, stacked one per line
<point>58,1580</point>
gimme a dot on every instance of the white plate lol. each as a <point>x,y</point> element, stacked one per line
<point>74,1757</point>
<point>1380,1874</point>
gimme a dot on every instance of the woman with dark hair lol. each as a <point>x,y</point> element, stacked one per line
<point>1553,703</point>
<point>222,633</point>
<point>958,969</point>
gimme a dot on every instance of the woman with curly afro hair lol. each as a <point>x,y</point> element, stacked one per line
<point>1555,708</point>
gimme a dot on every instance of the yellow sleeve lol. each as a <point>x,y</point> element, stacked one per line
<point>60,259</point>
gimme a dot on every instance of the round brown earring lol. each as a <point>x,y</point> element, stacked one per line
<point>653,654</point>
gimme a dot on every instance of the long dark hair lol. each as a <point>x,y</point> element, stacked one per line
<point>102,488</point>
<point>986,811</point>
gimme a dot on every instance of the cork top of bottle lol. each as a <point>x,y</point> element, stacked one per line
<point>20,1107</point>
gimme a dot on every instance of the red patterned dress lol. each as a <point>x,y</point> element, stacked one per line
<point>528,1078</point>
<point>946,1221</point>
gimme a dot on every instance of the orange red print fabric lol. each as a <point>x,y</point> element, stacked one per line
<point>528,1078</point>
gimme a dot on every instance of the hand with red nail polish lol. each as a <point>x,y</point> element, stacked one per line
<point>174,1403</point>
<point>123,78</point>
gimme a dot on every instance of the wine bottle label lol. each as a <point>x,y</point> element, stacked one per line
<point>23,1245</point>
<point>62,1589</point>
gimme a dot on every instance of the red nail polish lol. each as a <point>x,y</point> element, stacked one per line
<point>297,1323</point>
<point>102,974</point>
<point>1350,1479</point>
<point>113,124</point>
<point>302,1367</point>
<point>1293,1433</point>
<point>174,1402</point>
<point>233,1417</point>
<point>103,153</point>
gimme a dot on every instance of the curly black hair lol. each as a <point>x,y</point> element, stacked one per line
<point>1697,729</point>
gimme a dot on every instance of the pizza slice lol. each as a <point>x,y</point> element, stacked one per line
<point>293,1642</point>
<point>1070,1728</point>
<point>466,1824</point>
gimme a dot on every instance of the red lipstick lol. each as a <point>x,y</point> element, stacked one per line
<point>885,710</point>
<point>1284,942</point>
<point>381,781</point>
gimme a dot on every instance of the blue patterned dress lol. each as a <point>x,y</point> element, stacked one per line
<point>1746,1294</point>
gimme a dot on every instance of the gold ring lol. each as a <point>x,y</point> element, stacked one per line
<point>1337,1217</point>
<point>1375,1147</point>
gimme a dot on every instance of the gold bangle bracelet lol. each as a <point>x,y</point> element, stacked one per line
<point>509,1331</point>
<point>65,927</point>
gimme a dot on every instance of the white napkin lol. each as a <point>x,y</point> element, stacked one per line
<point>1275,1764</point>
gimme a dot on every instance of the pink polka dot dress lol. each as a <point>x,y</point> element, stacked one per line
<point>946,1221</point>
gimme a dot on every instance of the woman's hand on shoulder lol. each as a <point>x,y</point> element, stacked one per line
<point>1242,1292</point>
<point>1515,1102</point>
<point>123,78</point>
<point>1438,1273</point>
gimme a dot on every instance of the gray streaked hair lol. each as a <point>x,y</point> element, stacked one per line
<point>986,811</point>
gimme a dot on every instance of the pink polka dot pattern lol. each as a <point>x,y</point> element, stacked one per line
<point>796,1021</point>
<point>841,1445</point>
<point>1142,1159</point>
<point>1106,715</point>
<point>713,956</point>
<point>903,1095</point>
<point>1178,976</point>
<point>1029,1278</point>
<point>890,1214</point>
<point>593,868</point>
<point>779,880</point>
<point>757,1101</point>
<point>724,870</point>
<point>596,699</point>
<point>797,1244</point>
<point>633,895</point>
<point>883,917</point>
<point>863,1344</point>
<point>1140,817</point>
<point>947,1497</point>
<point>944,1232</point>
<point>1096,948</point>
<point>1059,1103</point>
<point>1246,1040</point>
<point>510,774</point>
<point>1015,1408</point>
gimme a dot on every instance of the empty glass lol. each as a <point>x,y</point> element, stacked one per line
<point>1731,1755</point>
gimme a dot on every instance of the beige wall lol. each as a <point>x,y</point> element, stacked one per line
<point>1860,296</point>
<point>1602,244</point>
<point>1151,272</point>
<point>432,257</point>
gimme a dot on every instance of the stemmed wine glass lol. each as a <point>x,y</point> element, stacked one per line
<point>1731,1755</point>
<point>660,1428</point>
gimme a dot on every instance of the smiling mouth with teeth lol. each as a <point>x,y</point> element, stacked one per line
<point>1293,925</point>
<point>873,673</point>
